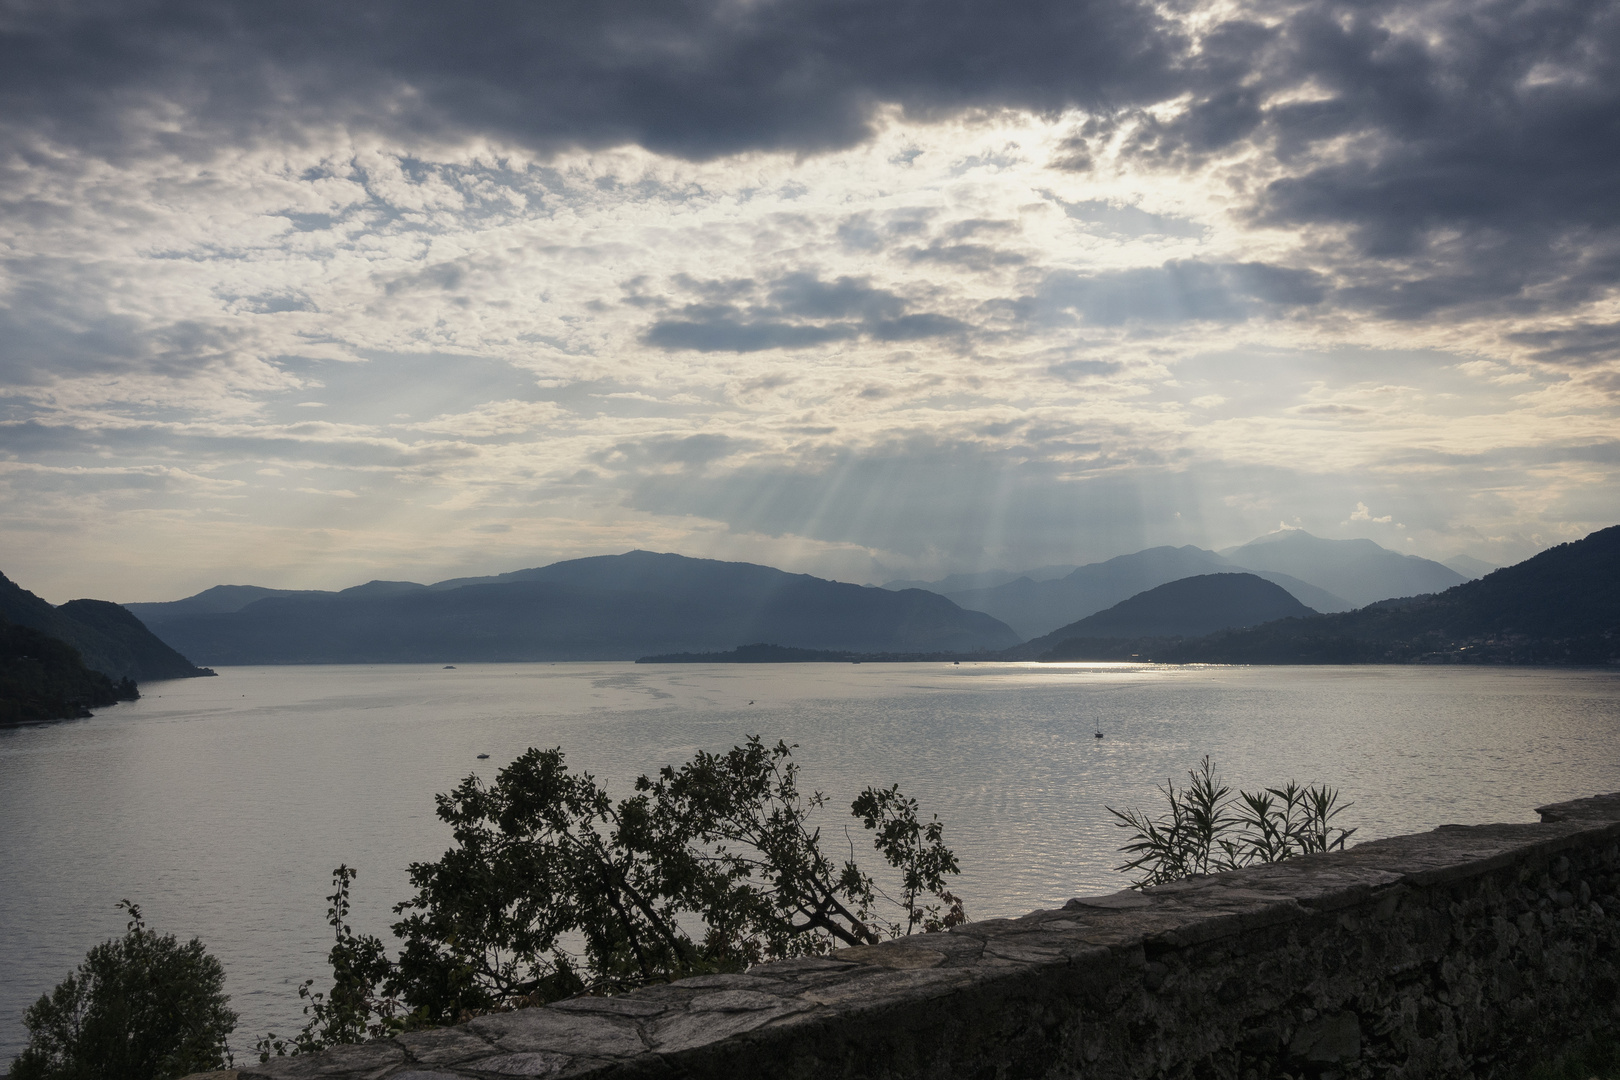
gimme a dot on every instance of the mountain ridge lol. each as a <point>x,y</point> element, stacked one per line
<point>44,678</point>
<point>108,637</point>
<point>1560,606</point>
<point>604,607</point>
<point>1191,607</point>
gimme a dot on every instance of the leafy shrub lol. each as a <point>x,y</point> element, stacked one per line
<point>551,889</point>
<point>142,1007</point>
<point>1206,829</point>
<point>351,1011</point>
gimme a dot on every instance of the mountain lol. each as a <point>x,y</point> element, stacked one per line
<point>1035,608</point>
<point>108,638</point>
<point>1559,607</point>
<point>1469,567</point>
<point>983,579</point>
<point>1189,608</point>
<point>609,607</point>
<point>1312,596</point>
<point>219,599</point>
<point>1358,570</point>
<point>43,678</point>
<point>762,653</point>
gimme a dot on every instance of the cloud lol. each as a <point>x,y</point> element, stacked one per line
<point>805,279</point>
<point>1125,220</point>
<point>1361,513</point>
<point>687,452</point>
<point>708,328</point>
<point>1581,345</point>
<point>848,308</point>
<point>1465,153</point>
<point>1072,370</point>
<point>1177,291</point>
<point>696,78</point>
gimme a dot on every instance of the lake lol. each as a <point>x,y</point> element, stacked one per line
<point>221,805</point>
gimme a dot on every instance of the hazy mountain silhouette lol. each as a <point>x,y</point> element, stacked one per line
<point>1191,607</point>
<point>107,637</point>
<point>1035,608</point>
<point>221,598</point>
<point>1469,567</point>
<point>44,678</point>
<point>983,579</point>
<point>1358,570</point>
<point>610,607</point>
<point>1559,607</point>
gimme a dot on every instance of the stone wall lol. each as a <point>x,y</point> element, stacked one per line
<point>1468,951</point>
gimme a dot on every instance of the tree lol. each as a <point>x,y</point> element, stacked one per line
<point>142,1007</point>
<point>551,889</point>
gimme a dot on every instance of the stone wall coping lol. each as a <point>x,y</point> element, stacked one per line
<point>688,1025</point>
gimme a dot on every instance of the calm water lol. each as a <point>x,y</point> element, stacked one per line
<point>221,805</point>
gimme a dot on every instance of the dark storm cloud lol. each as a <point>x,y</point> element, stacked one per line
<point>1470,150</point>
<point>696,78</point>
<point>1466,151</point>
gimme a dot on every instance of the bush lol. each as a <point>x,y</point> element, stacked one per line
<point>1205,829</point>
<point>143,1007</point>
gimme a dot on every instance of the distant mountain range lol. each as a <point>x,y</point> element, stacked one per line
<point>1164,603</point>
<point>1192,607</point>
<point>984,579</point>
<point>108,637</point>
<point>609,607</point>
<point>1358,570</point>
<point>1557,608</point>
<point>1470,567</point>
<point>1324,575</point>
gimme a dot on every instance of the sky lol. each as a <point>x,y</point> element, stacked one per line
<point>303,294</point>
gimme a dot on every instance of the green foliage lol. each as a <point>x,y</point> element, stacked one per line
<point>918,851</point>
<point>351,1011</point>
<point>1205,829</point>
<point>142,1007</point>
<point>552,889</point>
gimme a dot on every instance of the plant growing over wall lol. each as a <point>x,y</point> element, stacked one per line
<point>140,1007</point>
<point>1206,828</point>
<point>352,1010</point>
<point>551,889</point>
